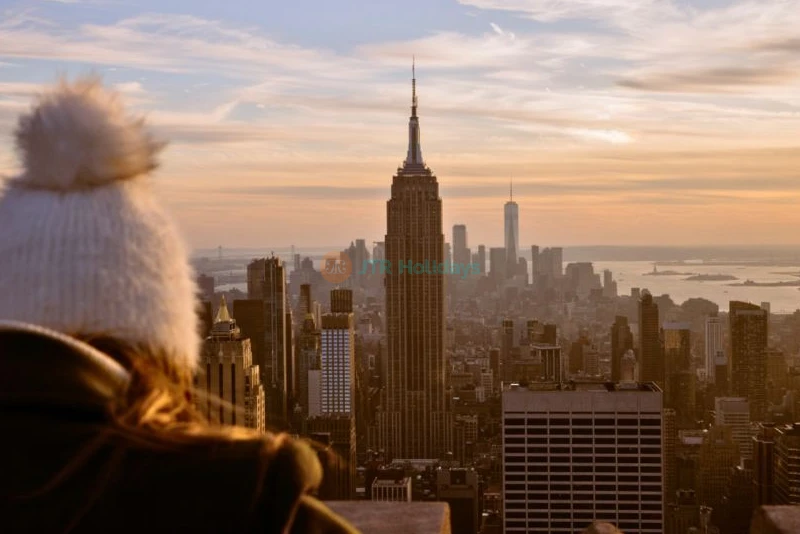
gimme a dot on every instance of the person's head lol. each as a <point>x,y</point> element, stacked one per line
<point>85,246</point>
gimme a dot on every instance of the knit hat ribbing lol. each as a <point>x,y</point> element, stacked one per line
<point>85,248</point>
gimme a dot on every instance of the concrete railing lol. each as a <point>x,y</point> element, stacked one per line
<point>434,517</point>
<point>776,520</point>
<point>395,517</point>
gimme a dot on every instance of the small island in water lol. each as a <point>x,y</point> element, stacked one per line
<point>750,283</point>
<point>656,272</point>
<point>711,278</point>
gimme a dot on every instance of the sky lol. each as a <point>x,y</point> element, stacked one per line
<point>625,122</point>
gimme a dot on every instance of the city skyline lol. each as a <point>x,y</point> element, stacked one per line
<point>594,108</point>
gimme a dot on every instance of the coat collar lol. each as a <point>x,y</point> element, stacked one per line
<point>41,367</point>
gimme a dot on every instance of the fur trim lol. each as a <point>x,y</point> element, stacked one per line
<point>78,136</point>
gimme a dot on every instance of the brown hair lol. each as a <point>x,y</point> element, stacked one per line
<point>161,396</point>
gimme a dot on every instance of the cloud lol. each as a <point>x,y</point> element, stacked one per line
<point>791,44</point>
<point>723,79</point>
<point>130,88</point>
<point>615,137</point>
<point>194,45</point>
<point>554,10</point>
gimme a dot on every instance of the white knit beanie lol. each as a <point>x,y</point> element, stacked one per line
<point>85,247</point>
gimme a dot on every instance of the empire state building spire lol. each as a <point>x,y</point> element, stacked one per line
<point>414,148</point>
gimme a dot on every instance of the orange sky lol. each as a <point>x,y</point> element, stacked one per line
<point>652,122</point>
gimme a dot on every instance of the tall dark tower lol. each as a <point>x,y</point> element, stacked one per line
<point>266,282</point>
<point>621,342</point>
<point>748,362</point>
<point>415,421</point>
<point>651,359</point>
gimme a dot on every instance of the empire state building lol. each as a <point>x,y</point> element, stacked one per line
<point>415,420</point>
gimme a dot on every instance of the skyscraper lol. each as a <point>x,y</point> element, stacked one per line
<point>719,454</point>
<point>748,363</point>
<point>574,456</point>
<point>308,362</point>
<point>621,343</point>
<point>679,374</point>
<point>230,382</point>
<point>787,468</point>
<point>266,280</point>
<point>511,220</point>
<point>416,420</point>
<point>715,350</point>
<point>482,259</point>
<point>651,360</point>
<point>764,465</point>
<point>557,257</point>
<point>497,264</point>
<point>734,412</point>
<point>337,345</point>
<point>461,254</point>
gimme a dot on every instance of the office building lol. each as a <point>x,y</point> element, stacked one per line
<point>460,489</point>
<point>338,473</point>
<point>229,384</point>
<point>680,376</point>
<point>629,367</point>
<point>534,263</point>
<point>734,412</point>
<point>391,485</point>
<point>621,343</point>
<point>552,364</point>
<point>748,362</point>
<point>557,258</point>
<point>651,360</point>
<point>337,358</point>
<point>461,253</point>
<point>764,465</point>
<point>572,456</point>
<point>416,420</point>
<point>715,349</point>
<point>308,360</point>
<point>497,264</point>
<point>482,259</point>
<point>787,464</point>
<point>337,434</point>
<point>266,281</point>
<point>719,454</point>
<point>205,312</point>
<point>205,284</point>
<point>511,226</point>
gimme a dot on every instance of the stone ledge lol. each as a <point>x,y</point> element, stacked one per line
<point>776,520</point>
<point>395,517</point>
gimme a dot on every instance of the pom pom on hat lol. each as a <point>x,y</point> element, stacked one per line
<point>86,248</point>
<point>78,136</point>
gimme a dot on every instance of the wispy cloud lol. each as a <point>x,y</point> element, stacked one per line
<point>639,104</point>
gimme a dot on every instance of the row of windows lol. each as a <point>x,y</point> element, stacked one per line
<point>576,507</point>
<point>518,433</point>
<point>509,449</point>
<point>622,468</point>
<point>543,421</point>
<point>544,459</point>
<point>600,497</point>
<point>644,516</point>
<point>510,486</point>
<point>645,439</point>
<point>551,526</point>
<point>543,477</point>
